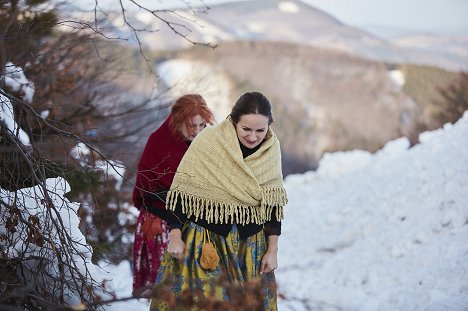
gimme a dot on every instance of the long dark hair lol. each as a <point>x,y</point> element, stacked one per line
<point>251,103</point>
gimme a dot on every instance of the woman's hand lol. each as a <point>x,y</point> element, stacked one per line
<point>176,246</point>
<point>270,259</point>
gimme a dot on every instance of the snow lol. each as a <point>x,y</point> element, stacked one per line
<point>31,202</point>
<point>109,168</point>
<point>367,232</point>
<point>17,82</point>
<point>288,7</point>
<point>180,76</point>
<point>383,231</point>
<point>397,76</point>
<point>33,199</point>
<point>375,231</point>
<point>80,151</point>
<point>114,169</point>
<point>6,116</point>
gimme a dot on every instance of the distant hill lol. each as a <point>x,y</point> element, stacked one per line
<point>324,100</point>
<point>333,87</point>
<point>289,21</point>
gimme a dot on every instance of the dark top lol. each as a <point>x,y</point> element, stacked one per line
<point>154,202</point>
<point>176,218</point>
<point>151,200</point>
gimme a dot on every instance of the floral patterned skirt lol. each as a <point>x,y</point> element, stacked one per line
<point>147,254</point>
<point>235,284</point>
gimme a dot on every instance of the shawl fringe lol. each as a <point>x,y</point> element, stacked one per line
<point>224,213</point>
<point>249,191</point>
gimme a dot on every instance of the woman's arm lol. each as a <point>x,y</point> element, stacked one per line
<point>273,227</point>
<point>270,259</point>
<point>175,220</point>
<point>176,246</point>
<point>272,231</point>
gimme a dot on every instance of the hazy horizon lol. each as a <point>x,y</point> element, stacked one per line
<point>379,17</point>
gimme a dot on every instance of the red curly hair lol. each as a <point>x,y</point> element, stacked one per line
<point>186,107</point>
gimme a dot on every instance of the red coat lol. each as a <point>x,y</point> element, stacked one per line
<point>158,164</point>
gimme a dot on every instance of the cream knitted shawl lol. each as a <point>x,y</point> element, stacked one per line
<point>214,181</point>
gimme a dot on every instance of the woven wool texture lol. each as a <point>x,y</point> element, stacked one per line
<point>214,181</point>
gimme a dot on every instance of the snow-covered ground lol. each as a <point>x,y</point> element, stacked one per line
<point>374,232</point>
<point>365,232</point>
<point>383,231</point>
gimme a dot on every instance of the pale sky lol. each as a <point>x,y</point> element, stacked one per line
<point>438,16</point>
<point>447,17</point>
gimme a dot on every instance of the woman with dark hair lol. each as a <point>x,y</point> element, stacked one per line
<point>228,192</point>
<point>158,163</point>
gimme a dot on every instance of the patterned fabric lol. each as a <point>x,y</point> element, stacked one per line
<point>147,255</point>
<point>239,267</point>
<point>247,193</point>
<point>156,168</point>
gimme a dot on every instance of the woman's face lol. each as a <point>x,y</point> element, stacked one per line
<point>252,129</point>
<point>195,125</point>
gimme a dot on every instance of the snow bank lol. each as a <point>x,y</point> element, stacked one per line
<point>383,231</point>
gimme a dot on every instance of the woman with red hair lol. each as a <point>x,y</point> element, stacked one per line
<point>162,154</point>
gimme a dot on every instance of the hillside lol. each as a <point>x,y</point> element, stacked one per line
<point>296,22</point>
<point>324,100</point>
<point>334,87</point>
<point>289,21</point>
